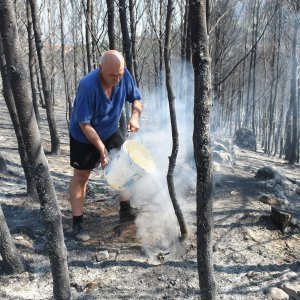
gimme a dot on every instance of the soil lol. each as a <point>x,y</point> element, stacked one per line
<point>251,255</point>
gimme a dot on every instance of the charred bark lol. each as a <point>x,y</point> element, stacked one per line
<point>31,63</point>
<point>9,100</point>
<point>55,143</point>
<point>202,147</point>
<point>88,26</point>
<point>111,24</point>
<point>3,166</point>
<point>292,114</point>
<point>171,98</point>
<point>43,182</point>
<point>62,40</point>
<point>133,38</point>
<point>125,36</point>
<point>9,253</point>
<point>127,51</point>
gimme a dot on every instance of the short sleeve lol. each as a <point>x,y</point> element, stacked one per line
<point>133,92</point>
<point>84,104</point>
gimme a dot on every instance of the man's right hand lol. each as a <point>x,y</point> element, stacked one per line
<point>94,138</point>
<point>104,159</point>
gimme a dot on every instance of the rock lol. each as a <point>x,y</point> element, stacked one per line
<point>293,290</point>
<point>219,147</point>
<point>281,218</point>
<point>102,255</point>
<point>269,199</point>
<point>249,234</point>
<point>221,157</point>
<point>245,138</point>
<point>289,276</point>
<point>267,173</point>
<point>278,294</point>
<point>92,285</point>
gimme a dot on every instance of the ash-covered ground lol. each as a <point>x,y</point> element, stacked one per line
<point>253,259</point>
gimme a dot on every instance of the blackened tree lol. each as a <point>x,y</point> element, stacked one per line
<point>32,141</point>
<point>9,253</point>
<point>202,147</point>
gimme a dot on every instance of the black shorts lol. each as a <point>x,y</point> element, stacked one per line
<point>86,156</point>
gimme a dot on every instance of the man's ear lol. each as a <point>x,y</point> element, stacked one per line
<point>100,67</point>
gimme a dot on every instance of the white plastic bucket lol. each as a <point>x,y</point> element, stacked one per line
<point>128,166</point>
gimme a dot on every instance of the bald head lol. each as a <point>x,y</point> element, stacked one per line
<point>112,58</point>
<point>112,67</point>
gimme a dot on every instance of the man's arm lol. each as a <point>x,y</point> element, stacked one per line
<point>133,124</point>
<point>94,138</point>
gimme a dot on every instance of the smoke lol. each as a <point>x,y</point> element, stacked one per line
<point>157,225</point>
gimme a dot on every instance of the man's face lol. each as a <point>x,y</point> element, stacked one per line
<point>112,74</point>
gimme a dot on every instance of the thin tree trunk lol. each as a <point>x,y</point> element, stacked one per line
<point>111,23</point>
<point>248,106</point>
<point>3,166</point>
<point>291,127</point>
<point>171,98</point>
<point>75,49</point>
<point>44,185</point>
<point>62,39</point>
<point>126,48</point>
<point>55,144</point>
<point>94,39</point>
<point>88,11</point>
<point>202,147</point>
<point>31,63</point>
<point>9,100</point>
<point>37,75</point>
<point>272,99</point>
<point>9,253</point>
<point>133,38</point>
<point>125,34</point>
<point>83,50</point>
<point>255,25</point>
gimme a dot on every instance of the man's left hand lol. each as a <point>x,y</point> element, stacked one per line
<point>133,124</point>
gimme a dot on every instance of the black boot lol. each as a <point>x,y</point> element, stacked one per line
<point>127,213</point>
<point>79,233</point>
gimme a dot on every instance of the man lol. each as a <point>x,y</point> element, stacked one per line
<point>94,129</point>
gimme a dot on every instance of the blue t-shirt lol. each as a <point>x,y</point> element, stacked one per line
<point>94,107</point>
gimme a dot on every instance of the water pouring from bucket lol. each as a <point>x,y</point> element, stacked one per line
<point>129,165</point>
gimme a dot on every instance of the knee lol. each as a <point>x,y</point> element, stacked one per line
<point>80,177</point>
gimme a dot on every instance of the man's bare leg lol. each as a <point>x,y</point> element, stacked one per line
<point>78,186</point>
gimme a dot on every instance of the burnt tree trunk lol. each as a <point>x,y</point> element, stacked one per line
<point>9,253</point>
<point>88,26</point>
<point>75,49</point>
<point>125,36</point>
<point>31,63</point>
<point>37,75</point>
<point>55,144</point>
<point>111,23</point>
<point>133,38</point>
<point>3,166</point>
<point>189,157</point>
<point>291,119</point>
<point>62,41</point>
<point>128,54</point>
<point>9,100</point>
<point>171,98</point>
<point>202,147</point>
<point>255,49</point>
<point>44,185</point>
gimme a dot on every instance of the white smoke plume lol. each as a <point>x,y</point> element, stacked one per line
<point>157,225</point>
